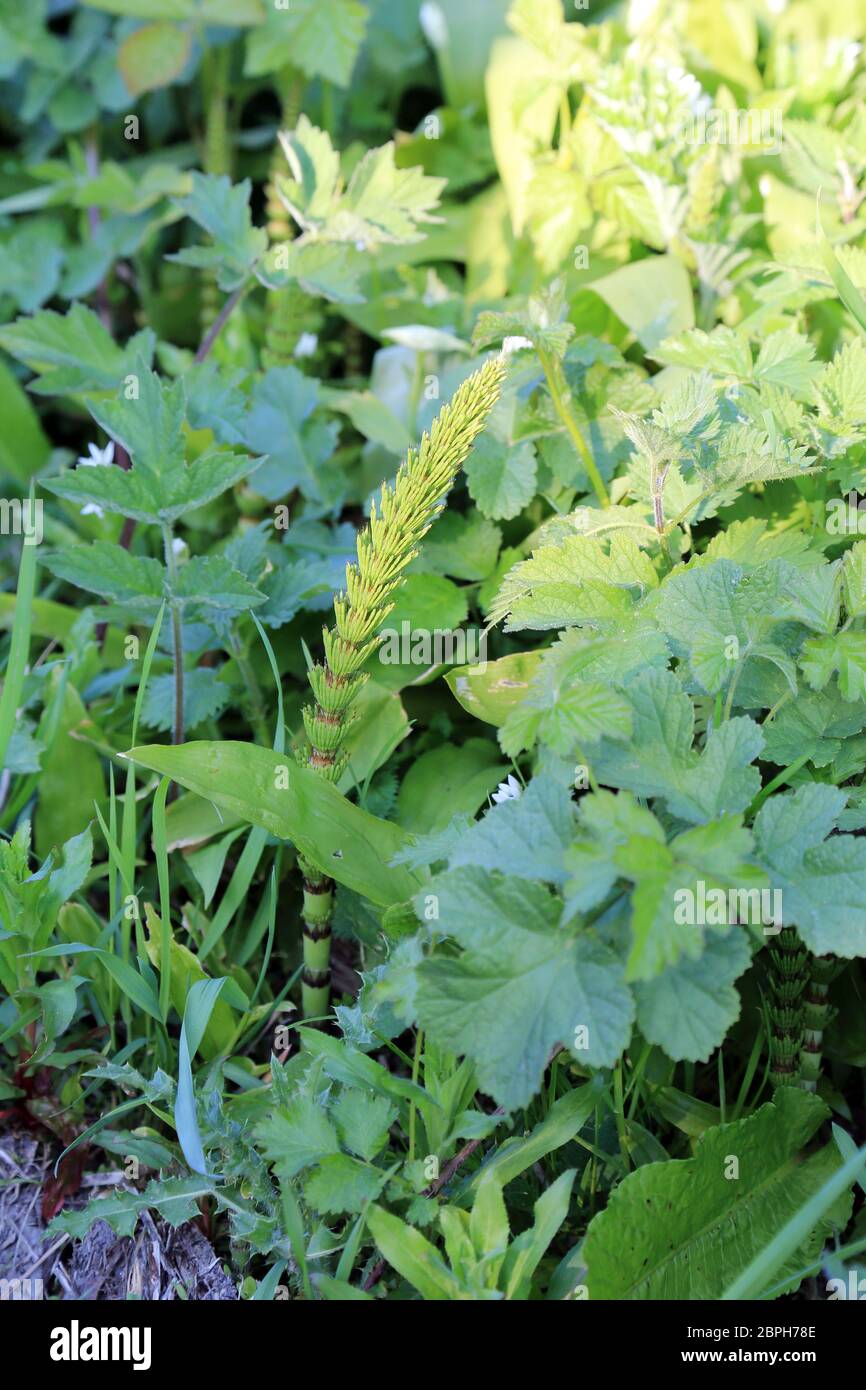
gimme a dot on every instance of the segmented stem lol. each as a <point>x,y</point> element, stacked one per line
<point>405,513</point>
<point>787,978</point>
<point>817,1014</point>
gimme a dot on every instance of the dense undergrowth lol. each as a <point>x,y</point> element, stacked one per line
<point>433,637</point>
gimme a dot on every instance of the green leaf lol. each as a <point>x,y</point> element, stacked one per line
<point>501,477</point>
<point>412,1255</point>
<point>175,1200</point>
<point>112,572</point>
<point>154,56</point>
<point>653,297</point>
<point>341,1183</point>
<point>522,985</point>
<point>524,837</point>
<point>295,804</point>
<point>686,1228</point>
<point>821,875</point>
<point>296,1136</point>
<point>210,582</point>
<point>223,210</point>
<point>689,1008</point>
<point>363,1122</point>
<point>381,205</point>
<point>723,616</point>
<point>24,448</point>
<point>321,37</point>
<point>160,487</point>
<point>659,759</point>
<point>74,352</point>
<point>283,423</point>
<point>231,12</point>
<point>445,781</point>
<point>575,580</point>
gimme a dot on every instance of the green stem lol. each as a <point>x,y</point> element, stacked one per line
<point>817,1014</point>
<point>557,387</point>
<point>177,633</point>
<point>787,978</point>
<point>781,777</point>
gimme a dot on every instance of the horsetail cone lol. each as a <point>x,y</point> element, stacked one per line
<point>406,511</point>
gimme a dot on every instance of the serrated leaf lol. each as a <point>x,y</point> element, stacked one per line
<point>522,984</point>
<point>74,352</point>
<point>689,1008</point>
<point>501,477</point>
<point>321,37</point>
<point>524,837</point>
<point>223,210</point>
<point>821,876</point>
<point>659,759</point>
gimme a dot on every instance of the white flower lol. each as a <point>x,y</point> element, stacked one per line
<point>508,790</point>
<point>512,344</point>
<point>180,549</point>
<point>306,345</point>
<point>96,458</point>
<point>434,24</point>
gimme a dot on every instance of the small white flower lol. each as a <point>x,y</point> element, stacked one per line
<point>180,549</point>
<point>508,790</point>
<point>306,345</point>
<point>513,344</point>
<point>97,458</point>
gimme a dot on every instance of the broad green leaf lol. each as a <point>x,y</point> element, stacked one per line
<point>24,448</point>
<point>445,781</point>
<point>321,37</point>
<point>342,1183</point>
<point>175,1200</point>
<point>297,1135</point>
<point>154,56</point>
<point>501,476</point>
<point>821,875</point>
<point>381,204</point>
<point>689,1008</point>
<point>577,580</point>
<point>106,569</point>
<point>687,1228</point>
<point>522,985</point>
<point>659,759</point>
<point>491,692</point>
<point>653,297</point>
<point>524,837</point>
<point>296,804</point>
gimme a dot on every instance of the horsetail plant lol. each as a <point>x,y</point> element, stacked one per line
<point>405,513</point>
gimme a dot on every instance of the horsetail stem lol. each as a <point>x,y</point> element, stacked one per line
<point>405,513</point>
